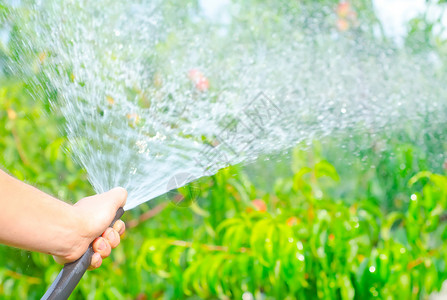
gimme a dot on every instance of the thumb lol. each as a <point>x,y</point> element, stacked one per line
<point>111,201</point>
<point>115,198</point>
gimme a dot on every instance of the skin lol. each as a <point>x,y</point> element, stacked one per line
<point>33,220</point>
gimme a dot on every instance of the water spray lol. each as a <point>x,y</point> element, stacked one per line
<point>149,90</point>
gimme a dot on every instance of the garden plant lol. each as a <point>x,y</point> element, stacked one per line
<point>327,220</point>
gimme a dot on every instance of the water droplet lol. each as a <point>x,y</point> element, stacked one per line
<point>247,296</point>
<point>300,257</point>
<point>179,119</point>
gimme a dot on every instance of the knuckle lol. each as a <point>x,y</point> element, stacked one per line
<point>116,242</point>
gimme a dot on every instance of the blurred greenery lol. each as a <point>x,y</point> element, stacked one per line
<point>319,223</point>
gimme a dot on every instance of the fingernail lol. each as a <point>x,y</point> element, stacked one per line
<point>111,235</point>
<point>95,260</point>
<point>118,226</point>
<point>102,245</point>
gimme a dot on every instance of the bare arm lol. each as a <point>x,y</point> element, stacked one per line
<point>33,220</point>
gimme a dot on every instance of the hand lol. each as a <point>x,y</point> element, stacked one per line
<point>94,215</point>
<point>102,246</point>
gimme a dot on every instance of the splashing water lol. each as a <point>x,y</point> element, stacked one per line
<point>151,90</point>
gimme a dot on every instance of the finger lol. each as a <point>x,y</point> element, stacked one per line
<point>112,237</point>
<point>96,261</point>
<point>102,247</point>
<point>120,227</point>
<point>111,201</point>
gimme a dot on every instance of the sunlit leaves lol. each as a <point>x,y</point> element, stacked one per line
<point>304,244</point>
<point>335,251</point>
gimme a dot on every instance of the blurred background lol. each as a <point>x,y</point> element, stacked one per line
<point>327,220</point>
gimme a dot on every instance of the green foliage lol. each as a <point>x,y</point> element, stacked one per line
<point>32,145</point>
<point>322,224</point>
<point>305,247</point>
<point>427,32</point>
<point>304,244</point>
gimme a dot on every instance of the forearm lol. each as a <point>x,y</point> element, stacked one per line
<point>33,220</point>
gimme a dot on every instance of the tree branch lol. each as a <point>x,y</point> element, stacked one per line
<point>147,215</point>
<point>29,279</point>
<point>207,247</point>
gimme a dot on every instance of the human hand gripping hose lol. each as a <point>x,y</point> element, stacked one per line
<point>72,273</point>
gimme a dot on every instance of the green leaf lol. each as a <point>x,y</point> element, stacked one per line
<point>346,288</point>
<point>324,168</point>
